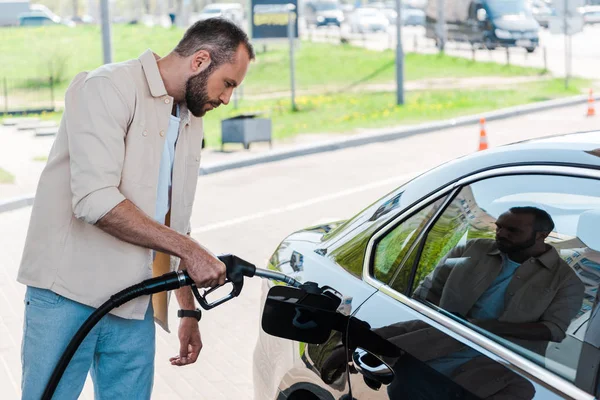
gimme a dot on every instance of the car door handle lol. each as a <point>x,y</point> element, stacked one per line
<point>372,367</point>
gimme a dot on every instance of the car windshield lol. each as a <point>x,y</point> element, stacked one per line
<point>368,12</point>
<point>326,6</point>
<point>499,8</point>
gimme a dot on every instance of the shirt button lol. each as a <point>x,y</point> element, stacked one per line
<point>162,133</point>
<point>518,277</point>
<point>167,101</point>
<point>145,133</point>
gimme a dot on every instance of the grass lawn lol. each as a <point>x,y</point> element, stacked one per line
<point>6,177</point>
<point>29,54</point>
<point>348,113</point>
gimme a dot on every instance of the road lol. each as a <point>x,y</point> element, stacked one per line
<point>248,212</point>
<point>586,55</point>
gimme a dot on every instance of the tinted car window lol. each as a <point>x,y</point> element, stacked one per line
<point>351,255</point>
<point>391,249</point>
<point>518,259</point>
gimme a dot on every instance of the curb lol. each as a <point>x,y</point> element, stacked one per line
<point>16,202</point>
<point>389,134</point>
<point>382,135</point>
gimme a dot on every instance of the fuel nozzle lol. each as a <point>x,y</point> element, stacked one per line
<point>236,269</point>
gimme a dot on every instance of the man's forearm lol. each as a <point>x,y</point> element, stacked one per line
<point>128,223</point>
<point>525,330</point>
<point>185,298</point>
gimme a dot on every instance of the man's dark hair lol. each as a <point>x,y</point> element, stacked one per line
<point>542,220</point>
<point>220,37</point>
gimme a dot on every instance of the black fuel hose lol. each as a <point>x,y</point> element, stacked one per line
<point>236,269</point>
<point>169,281</point>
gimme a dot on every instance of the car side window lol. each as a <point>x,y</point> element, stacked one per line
<point>391,249</point>
<point>517,259</point>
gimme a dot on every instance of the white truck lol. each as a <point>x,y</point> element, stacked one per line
<point>10,11</point>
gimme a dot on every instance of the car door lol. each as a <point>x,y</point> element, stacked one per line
<point>444,353</point>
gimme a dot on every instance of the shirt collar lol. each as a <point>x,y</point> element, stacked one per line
<point>155,83</point>
<point>150,66</point>
<point>549,259</point>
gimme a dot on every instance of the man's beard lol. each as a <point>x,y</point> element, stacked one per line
<point>196,93</point>
<point>511,248</point>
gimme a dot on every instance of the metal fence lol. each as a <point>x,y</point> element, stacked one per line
<point>26,96</point>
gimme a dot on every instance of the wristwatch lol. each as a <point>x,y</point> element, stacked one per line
<point>197,313</point>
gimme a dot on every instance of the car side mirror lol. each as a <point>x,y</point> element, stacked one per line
<point>301,315</point>
<point>482,15</point>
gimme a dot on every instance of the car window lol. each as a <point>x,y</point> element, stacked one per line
<point>350,255</point>
<point>518,259</point>
<point>392,248</point>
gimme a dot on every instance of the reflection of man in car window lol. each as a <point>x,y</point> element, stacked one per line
<point>516,286</point>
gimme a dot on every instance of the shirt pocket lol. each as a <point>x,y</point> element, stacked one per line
<point>535,300</point>
<point>139,160</point>
<point>192,168</point>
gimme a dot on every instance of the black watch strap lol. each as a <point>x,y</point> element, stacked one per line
<point>197,313</point>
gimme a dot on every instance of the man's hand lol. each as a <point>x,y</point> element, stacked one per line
<point>190,343</point>
<point>204,268</point>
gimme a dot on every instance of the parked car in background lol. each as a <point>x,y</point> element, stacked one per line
<point>28,19</point>
<point>323,13</point>
<point>411,16</point>
<point>81,19</point>
<point>368,19</point>
<point>231,11</point>
<point>591,14</point>
<point>381,264</point>
<point>40,15</point>
<point>488,23</point>
<point>542,12</point>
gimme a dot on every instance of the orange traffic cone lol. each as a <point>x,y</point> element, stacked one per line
<point>591,110</point>
<point>483,142</point>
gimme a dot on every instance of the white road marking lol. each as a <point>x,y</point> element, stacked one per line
<point>302,204</point>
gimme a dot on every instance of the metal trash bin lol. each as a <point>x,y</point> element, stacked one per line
<point>245,129</point>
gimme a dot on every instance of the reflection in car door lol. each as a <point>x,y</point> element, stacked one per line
<point>412,376</point>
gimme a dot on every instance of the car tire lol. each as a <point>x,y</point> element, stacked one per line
<point>530,49</point>
<point>489,44</point>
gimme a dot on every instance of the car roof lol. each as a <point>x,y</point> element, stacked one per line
<point>579,149</point>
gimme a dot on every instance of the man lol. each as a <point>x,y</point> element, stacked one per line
<point>515,286</point>
<point>113,208</point>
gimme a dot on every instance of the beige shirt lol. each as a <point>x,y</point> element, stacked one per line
<point>108,149</point>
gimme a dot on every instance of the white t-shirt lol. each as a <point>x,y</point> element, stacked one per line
<point>165,174</point>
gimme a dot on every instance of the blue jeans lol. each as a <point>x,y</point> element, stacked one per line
<point>118,352</point>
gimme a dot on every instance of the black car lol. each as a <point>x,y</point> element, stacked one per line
<point>385,335</point>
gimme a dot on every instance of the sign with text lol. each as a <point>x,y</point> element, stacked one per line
<point>269,18</point>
